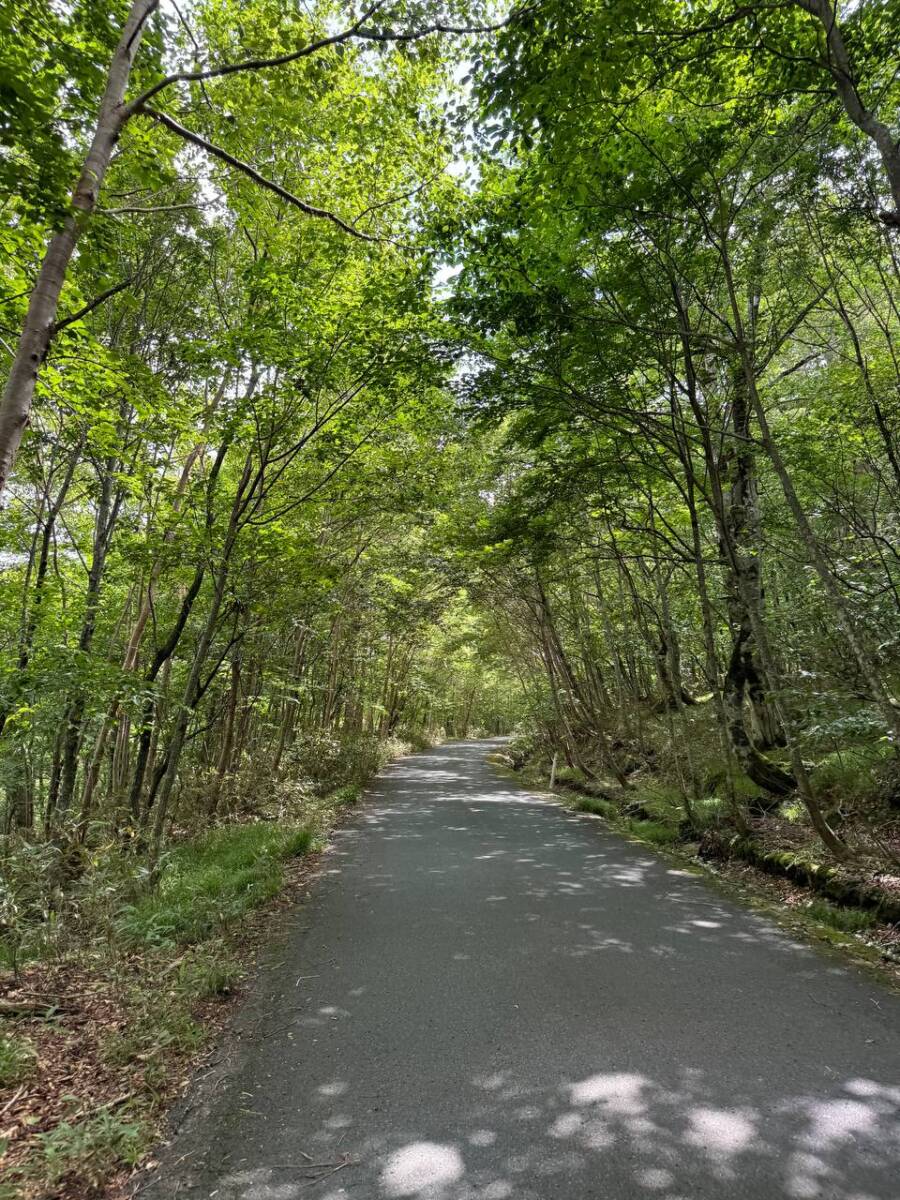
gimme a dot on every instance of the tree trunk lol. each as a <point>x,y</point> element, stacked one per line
<point>223,764</point>
<point>107,514</point>
<point>839,66</point>
<point>189,701</point>
<point>92,770</point>
<point>39,326</point>
<point>830,583</point>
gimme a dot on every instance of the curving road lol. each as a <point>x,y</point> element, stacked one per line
<point>488,996</point>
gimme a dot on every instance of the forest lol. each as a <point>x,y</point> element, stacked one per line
<point>377,375</point>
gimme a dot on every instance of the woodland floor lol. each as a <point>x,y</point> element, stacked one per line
<point>489,996</point>
<point>83,1005</point>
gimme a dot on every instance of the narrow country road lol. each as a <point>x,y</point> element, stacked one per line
<point>488,996</point>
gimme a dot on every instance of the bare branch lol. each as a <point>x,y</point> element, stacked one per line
<point>162,208</point>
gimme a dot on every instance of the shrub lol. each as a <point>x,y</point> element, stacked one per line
<point>29,892</point>
<point>709,810</point>
<point>662,801</point>
<point>852,772</point>
<point>328,761</point>
<point>418,739</point>
<point>864,725</point>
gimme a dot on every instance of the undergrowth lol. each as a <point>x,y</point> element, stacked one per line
<point>210,882</point>
<point>17,1060</point>
<point>657,832</point>
<point>89,1149</point>
<point>592,804</point>
<point>848,920</point>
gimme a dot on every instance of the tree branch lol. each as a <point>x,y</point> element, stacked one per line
<point>217,152</point>
<point>357,30</point>
<point>92,304</point>
<point>161,208</point>
<point>252,64</point>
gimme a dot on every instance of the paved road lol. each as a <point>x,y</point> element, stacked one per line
<point>490,997</point>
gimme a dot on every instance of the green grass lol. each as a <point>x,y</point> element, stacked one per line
<point>348,795</point>
<point>722,780</point>
<point>89,1150</point>
<point>709,810</point>
<point>212,881</point>
<point>657,832</point>
<point>569,775</point>
<point>662,801</point>
<point>660,833</point>
<point>297,842</point>
<point>593,804</point>
<point>209,973</point>
<point>794,811</point>
<point>16,1060</point>
<point>848,920</point>
<point>165,1027</point>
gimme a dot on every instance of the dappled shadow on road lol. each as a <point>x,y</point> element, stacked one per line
<point>674,1136</point>
<point>508,1001</point>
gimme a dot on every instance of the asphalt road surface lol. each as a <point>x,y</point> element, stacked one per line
<point>488,996</point>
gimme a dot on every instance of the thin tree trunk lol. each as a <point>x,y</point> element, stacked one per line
<point>223,764</point>
<point>107,514</point>
<point>839,66</point>
<point>830,583</point>
<point>92,770</point>
<point>39,326</point>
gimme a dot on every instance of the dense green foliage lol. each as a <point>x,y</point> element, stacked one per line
<point>282,493</point>
<point>225,544</point>
<point>631,479</point>
<point>679,282</point>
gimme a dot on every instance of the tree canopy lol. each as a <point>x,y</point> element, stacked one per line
<point>566,328</point>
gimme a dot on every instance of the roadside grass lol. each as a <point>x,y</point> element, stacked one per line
<point>592,804</point>
<point>162,962</point>
<point>658,832</point>
<point>347,796</point>
<point>210,973</point>
<point>566,775</point>
<point>844,919</point>
<point>663,802</point>
<point>88,1150</point>
<point>211,882</point>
